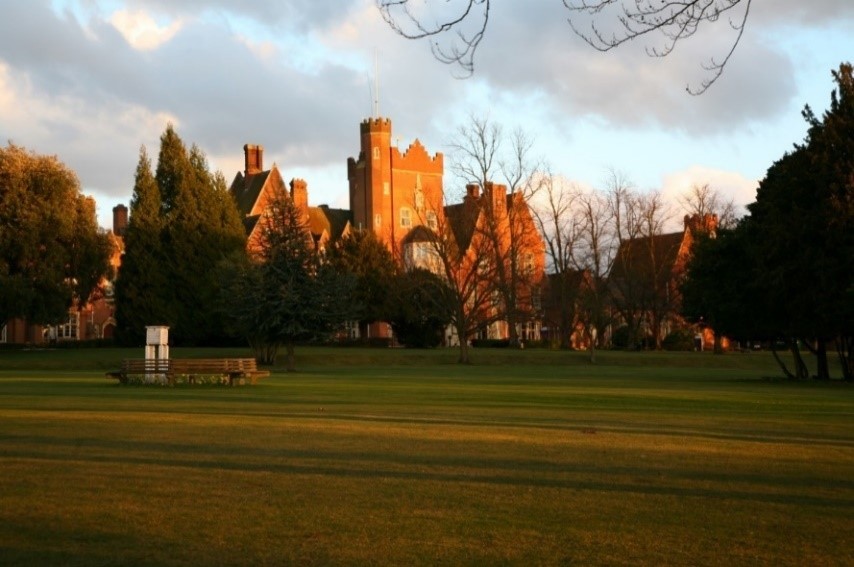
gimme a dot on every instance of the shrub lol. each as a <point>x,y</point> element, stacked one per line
<point>490,343</point>
<point>678,340</point>
<point>620,337</point>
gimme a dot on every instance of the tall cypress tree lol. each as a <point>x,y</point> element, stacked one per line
<point>142,290</point>
<point>203,227</point>
<point>183,223</point>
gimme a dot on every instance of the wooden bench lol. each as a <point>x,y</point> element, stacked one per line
<point>236,370</point>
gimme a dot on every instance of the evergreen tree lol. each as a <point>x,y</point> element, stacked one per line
<point>143,293</point>
<point>202,228</point>
<point>788,266</point>
<point>363,255</point>
<point>183,223</point>
<point>288,294</point>
<point>418,308</point>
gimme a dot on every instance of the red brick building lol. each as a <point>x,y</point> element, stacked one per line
<point>397,195</point>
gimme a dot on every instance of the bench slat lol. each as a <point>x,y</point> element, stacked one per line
<point>234,368</point>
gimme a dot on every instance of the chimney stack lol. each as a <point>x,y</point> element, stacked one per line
<point>120,220</point>
<point>299,195</point>
<point>254,156</point>
<point>497,195</point>
<point>472,191</point>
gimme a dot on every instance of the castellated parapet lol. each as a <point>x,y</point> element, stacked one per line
<point>416,158</point>
<point>375,125</point>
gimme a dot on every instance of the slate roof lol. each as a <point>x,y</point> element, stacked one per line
<point>633,256</point>
<point>246,190</point>
<point>462,219</point>
<point>333,221</point>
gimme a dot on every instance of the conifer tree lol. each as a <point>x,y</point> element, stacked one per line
<point>363,255</point>
<point>142,290</point>
<point>287,295</point>
<point>183,223</point>
<point>202,228</point>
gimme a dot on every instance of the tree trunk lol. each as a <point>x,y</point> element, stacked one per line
<point>844,348</point>
<point>801,371</point>
<point>565,330</point>
<point>512,332</point>
<point>718,346</point>
<point>822,370</point>
<point>786,372</point>
<point>265,354</point>
<point>290,366</point>
<point>464,346</point>
<point>593,346</point>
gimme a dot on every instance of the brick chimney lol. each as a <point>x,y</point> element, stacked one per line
<point>120,220</point>
<point>299,195</point>
<point>472,191</point>
<point>254,155</point>
<point>497,195</point>
<point>705,224</point>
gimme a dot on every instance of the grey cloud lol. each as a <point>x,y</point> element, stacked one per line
<point>534,49</point>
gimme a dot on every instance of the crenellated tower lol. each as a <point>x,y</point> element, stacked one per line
<point>390,192</point>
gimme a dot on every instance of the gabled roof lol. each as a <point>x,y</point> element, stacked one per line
<point>462,219</point>
<point>333,221</point>
<point>250,222</point>
<point>644,255</point>
<point>246,190</point>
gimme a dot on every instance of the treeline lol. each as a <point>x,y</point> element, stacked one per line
<point>785,273</point>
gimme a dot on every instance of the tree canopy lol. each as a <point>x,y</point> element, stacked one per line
<point>288,294</point>
<point>367,259</point>
<point>182,224</point>
<point>52,252</point>
<point>789,263</point>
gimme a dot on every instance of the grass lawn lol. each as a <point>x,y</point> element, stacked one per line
<point>405,458</point>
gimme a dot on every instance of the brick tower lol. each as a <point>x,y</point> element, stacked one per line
<point>390,192</point>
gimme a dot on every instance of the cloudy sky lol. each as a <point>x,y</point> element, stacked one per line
<point>93,80</point>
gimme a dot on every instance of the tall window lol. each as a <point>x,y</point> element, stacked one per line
<point>405,217</point>
<point>376,153</point>
<point>70,329</point>
<point>432,221</point>
<point>378,220</point>
<point>419,198</point>
<point>386,188</point>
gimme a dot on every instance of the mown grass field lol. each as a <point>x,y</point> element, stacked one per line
<point>405,458</point>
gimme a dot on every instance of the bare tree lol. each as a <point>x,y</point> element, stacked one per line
<point>463,21</point>
<point>464,260</point>
<point>702,200</point>
<point>674,21</point>
<point>482,155</point>
<point>640,274</point>
<point>558,221</point>
<point>657,273</point>
<point>596,249</point>
<point>603,24</point>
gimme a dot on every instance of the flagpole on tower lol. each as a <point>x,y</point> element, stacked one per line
<point>376,84</point>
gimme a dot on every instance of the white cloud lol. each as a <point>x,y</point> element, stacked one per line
<point>142,31</point>
<point>265,50</point>
<point>729,185</point>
